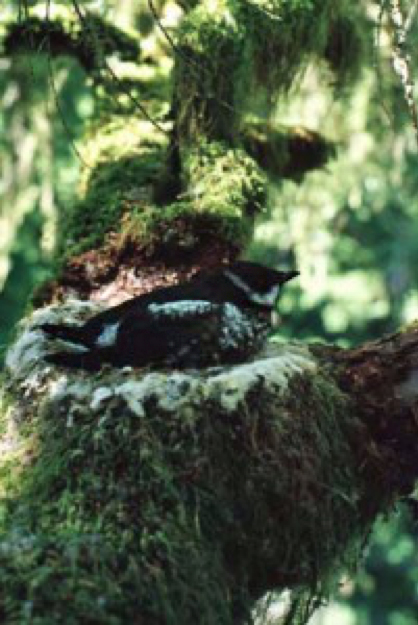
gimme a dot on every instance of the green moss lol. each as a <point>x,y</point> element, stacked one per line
<point>125,155</point>
<point>225,190</point>
<point>224,179</point>
<point>178,232</point>
<point>110,191</point>
<point>178,513</point>
<point>281,39</point>
<point>16,451</point>
<point>284,36</point>
<point>97,539</point>
<point>233,48</point>
<point>211,43</point>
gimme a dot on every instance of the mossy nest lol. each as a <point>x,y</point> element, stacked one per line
<point>167,497</point>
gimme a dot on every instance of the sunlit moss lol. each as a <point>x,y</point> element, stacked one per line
<point>224,191</point>
<point>124,157</point>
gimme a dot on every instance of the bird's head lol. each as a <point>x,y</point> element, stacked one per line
<point>260,285</point>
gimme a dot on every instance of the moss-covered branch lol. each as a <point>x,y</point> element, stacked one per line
<point>181,497</point>
<point>90,41</point>
<point>230,51</point>
<point>286,152</point>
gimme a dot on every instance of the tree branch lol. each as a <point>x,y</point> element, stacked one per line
<point>66,36</point>
<point>220,484</point>
<point>287,152</point>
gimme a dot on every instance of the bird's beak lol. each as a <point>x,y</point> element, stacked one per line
<point>289,275</point>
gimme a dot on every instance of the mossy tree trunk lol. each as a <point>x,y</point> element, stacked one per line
<point>177,162</point>
<point>167,498</point>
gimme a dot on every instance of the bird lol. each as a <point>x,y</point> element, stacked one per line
<point>219,317</point>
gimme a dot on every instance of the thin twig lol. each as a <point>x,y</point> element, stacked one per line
<point>54,90</point>
<point>89,28</point>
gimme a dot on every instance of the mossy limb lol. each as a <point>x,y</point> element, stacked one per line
<point>89,41</point>
<point>225,189</point>
<point>177,497</point>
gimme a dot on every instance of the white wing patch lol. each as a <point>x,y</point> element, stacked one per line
<point>108,335</point>
<point>181,308</point>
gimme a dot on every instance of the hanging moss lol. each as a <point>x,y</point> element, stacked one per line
<point>232,48</point>
<point>211,43</point>
<point>282,37</point>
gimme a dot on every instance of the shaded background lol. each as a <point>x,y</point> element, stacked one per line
<point>352,230</point>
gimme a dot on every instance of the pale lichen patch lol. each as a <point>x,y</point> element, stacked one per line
<point>232,386</point>
<point>173,392</point>
<point>169,391</point>
<point>100,395</point>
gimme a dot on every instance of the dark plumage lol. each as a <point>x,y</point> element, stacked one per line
<point>214,318</point>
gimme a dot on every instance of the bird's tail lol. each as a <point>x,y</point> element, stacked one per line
<point>88,360</point>
<point>72,334</point>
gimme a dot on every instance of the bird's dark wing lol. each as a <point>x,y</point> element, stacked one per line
<point>192,290</point>
<point>168,333</point>
<point>137,307</point>
<point>72,334</point>
<point>174,333</point>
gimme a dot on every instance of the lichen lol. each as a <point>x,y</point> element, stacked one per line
<point>174,496</point>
